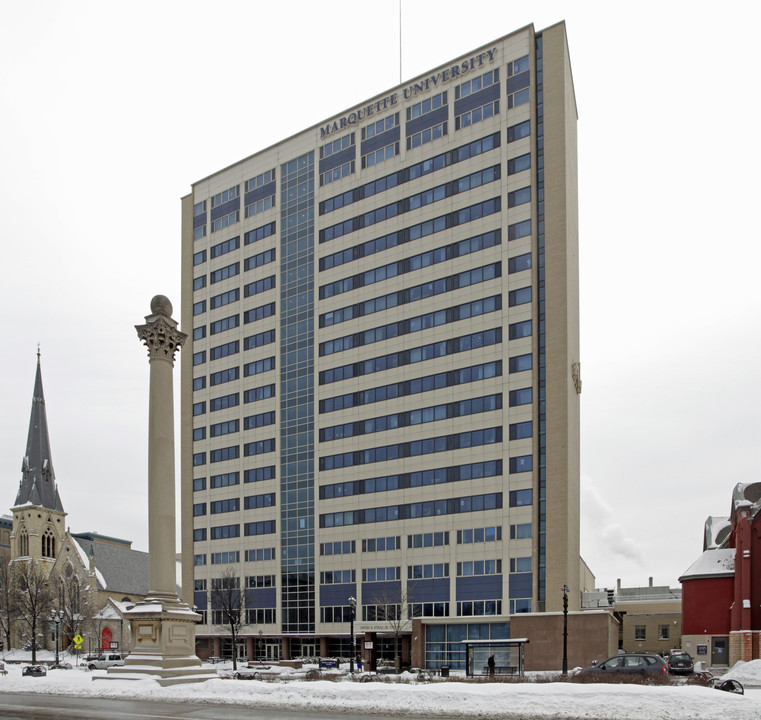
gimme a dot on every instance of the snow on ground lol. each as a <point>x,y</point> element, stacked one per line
<point>527,701</point>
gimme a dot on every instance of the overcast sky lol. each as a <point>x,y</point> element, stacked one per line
<point>110,111</point>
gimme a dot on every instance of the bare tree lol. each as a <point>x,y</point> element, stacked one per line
<point>75,601</point>
<point>227,606</point>
<point>393,607</point>
<point>7,611</point>
<point>32,598</point>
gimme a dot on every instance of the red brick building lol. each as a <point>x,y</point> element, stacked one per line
<point>721,590</point>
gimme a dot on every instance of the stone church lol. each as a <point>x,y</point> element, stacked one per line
<point>98,577</point>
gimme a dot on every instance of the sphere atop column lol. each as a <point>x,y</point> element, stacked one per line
<point>160,305</point>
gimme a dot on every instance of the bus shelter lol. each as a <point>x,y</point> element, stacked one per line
<point>508,656</point>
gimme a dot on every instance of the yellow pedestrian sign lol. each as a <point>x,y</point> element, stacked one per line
<point>78,640</point>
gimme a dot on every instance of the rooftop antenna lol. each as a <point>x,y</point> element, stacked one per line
<point>400,42</point>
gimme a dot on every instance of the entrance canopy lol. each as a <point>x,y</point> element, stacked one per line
<point>508,656</point>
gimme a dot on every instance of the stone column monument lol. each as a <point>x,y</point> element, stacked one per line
<point>162,626</point>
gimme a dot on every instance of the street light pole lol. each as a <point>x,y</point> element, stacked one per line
<point>565,630</point>
<point>353,611</point>
<point>260,644</point>
<point>56,617</point>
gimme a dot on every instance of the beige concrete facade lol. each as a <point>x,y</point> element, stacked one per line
<point>532,549</point>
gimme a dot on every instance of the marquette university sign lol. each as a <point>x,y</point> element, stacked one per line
<point>472,64</point>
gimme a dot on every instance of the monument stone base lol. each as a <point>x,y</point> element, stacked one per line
<point>163,631</point>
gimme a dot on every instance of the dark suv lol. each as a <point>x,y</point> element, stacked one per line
<point>679,661</point>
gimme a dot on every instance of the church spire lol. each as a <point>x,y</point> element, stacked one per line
<point>38,485</point>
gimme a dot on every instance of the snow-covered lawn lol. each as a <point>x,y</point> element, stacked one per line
<point>436,699</point>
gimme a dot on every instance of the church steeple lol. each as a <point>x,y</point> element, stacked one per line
<point>38,485</point>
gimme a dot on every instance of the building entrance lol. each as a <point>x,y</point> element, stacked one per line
<point>719,651</point>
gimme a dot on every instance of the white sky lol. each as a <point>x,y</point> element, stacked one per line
<point>109,112</point>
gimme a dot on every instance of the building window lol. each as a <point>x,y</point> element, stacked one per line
<point>517,197</point>
<point>427,135</point>
<point>224,428</point>
<point>336,146</point>
<point>520,532</point>
<point>519,230</point>
<point>469,608</point>
<point>521,605</point>
<point>337,173</point>
<point>519,263</point>
<point>479,567</point>
<point>339,547</point>
<point>260,180</point>
<point>429,609</point>
<point>479,535</point>
<point>224,480</point>
<point>224,273</point>
<point>519,363</point>
<point>225,221</point>
<point>223,197</point>
<point>520,498</point>
<point>48,544</point>
<point>378,156</point>
<point>478,83</point>
<point>432,570</point>
<point>381,544</point>
<point>260,206</point>
<point>225,247</point>
<point>224,558</point>
<point>426,106</point>
<point>516,132</point>
<point>476,115</point>
<point>337,577</point>
<point>226,298</point>
<point>663,632</point>
<point>524,396</point>
<point>519,164</point>
<point>432,539</point>
<point>224,506</point>
<point>380,126</point>
<point>640,632</point>
<point>521,430</point>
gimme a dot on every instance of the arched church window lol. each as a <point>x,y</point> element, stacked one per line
<point>75,596</point>
<point>48,544</point>
<point>23,542</point>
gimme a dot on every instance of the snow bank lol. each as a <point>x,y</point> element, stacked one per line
<point>508,701</point>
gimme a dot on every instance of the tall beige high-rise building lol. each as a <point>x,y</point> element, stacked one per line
<point>380,396</point>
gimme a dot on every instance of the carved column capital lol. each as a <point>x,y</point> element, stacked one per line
<point>160,334</point>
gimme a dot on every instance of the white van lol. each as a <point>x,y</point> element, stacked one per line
<point>106,661</point>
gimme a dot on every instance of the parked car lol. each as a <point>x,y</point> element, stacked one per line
<point>680,661</point>
<point>106,661</point>
<point>629,663</point>
<point>35,670</point>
